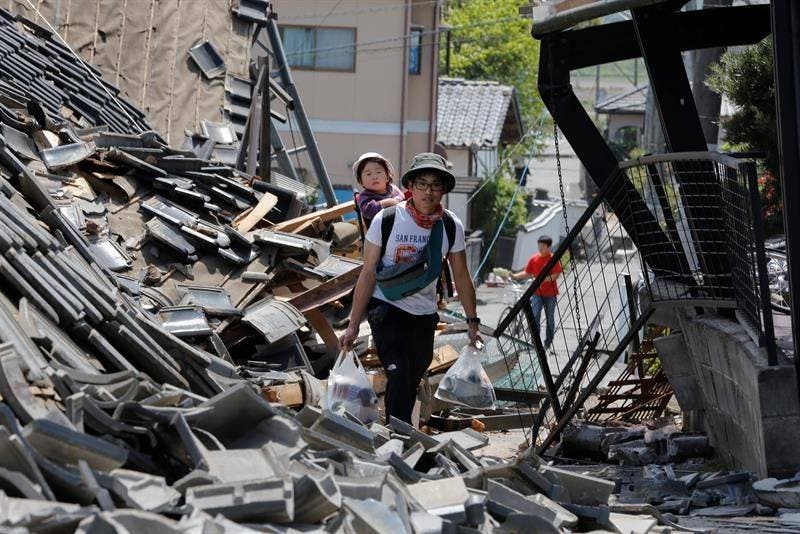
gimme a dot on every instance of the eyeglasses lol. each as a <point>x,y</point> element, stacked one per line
<point>435,187</point>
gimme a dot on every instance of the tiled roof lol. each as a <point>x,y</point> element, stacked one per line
<point>632,101</point>
<point>476,112</point>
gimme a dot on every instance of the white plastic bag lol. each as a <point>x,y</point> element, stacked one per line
<point>348,386</point>
<point>466,382</point>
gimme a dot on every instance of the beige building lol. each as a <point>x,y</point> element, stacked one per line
<point>367,74</point>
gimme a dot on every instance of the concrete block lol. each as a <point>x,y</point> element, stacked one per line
<point>282,433</point>
<point>15,455</point>
<point>425,523</point>
<point>676,362</point>
<point>198,477</point>
<point>366,468</point>
<point>144,491</point>
<point>445,498</point>
<point>257,500</point>
<point>401,427</point>
<point>15,484</point>
<point>781,455</point>
<point>403,470</point>
<point>233,413</point>
<point>773,385</point>
<point>462,456</point>
<point>123,521</point>
<point>475,507</point>
<point>517,523</point>
<point>63,445</point>
<point>343,430</point>
<point>16,511</point>
<point>391,446</point>
<point>467,438</point>
<point>244,464</point>
<point>632,524</point>
<point>503,501</point>
<point>582,489</point>
<point>373,517</point>
<point>413,455</point>
<point>308,415</point>
<point>315,498</point>
<point>778,493</point>
<point>361,488</point>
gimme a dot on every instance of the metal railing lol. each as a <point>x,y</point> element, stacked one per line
<point>681,233</point>
<point>704,204</point>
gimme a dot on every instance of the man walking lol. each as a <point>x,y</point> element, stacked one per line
<point>545,296</point>
<point>396,289</point>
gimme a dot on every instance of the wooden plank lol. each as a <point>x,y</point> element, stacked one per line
<point>443,358</point>
<point>307,225</point>
<point>319,323</point>
<point>324,215</point>
<point>292,394</point>
<point>286,394</point>
<point>247,220</point>
<point>329,291</point>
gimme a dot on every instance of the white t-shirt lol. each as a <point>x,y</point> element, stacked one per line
<point>404,246</point>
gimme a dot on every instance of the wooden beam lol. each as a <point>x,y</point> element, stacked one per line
<point>248,219</point>
<point>319,323</point>
<point>324,215</point>
<point>292,394</point>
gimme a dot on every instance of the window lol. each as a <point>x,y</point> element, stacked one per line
<point>414,50</point>
<point>320,48</point>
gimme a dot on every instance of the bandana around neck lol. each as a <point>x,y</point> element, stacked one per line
<point>424,221</point>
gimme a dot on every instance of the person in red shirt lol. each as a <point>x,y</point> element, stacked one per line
<point>545,296</point>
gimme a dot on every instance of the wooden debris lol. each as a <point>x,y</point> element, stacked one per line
<point>324,215</point>
<point>249,218</point>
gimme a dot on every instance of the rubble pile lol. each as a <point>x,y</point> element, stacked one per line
<point>656,465</point>
<point>150,300</point>
<point>646,443</point>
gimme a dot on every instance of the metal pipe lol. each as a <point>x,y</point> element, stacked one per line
<point>785,43</point>
<point>284,162</point>
<point>291,151</point>
<point>767,327</point>
<point>264,144</point>
<point>404,90</point>
<point>299,111</point>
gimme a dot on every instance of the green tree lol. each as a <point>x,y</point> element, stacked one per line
<point>490,205</point>
<point>746,78</point>
<point>490,41</point>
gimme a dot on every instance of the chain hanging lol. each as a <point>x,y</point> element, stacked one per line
<point>566,227</point>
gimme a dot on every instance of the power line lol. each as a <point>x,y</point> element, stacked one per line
<point>404,37</point>
<point>532,131</point>
<point>328,15</point>
<point>505,215</point>
<point>374,9</point>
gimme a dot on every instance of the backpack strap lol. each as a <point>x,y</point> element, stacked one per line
<point>449,230</point>
<point>446,281</point>
<point>361,229</point>
<point>387,224</point>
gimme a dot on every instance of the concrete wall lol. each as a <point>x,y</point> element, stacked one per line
<point>751,410</point>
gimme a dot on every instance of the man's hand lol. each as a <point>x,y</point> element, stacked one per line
<point>348,337</point>
<point>474,333</point>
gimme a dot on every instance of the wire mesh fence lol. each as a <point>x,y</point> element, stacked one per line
<point>675,229</point>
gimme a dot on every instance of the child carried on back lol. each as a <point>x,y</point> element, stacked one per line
<point>374,173</point>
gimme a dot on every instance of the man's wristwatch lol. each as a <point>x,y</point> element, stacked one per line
<point>474,320</point>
